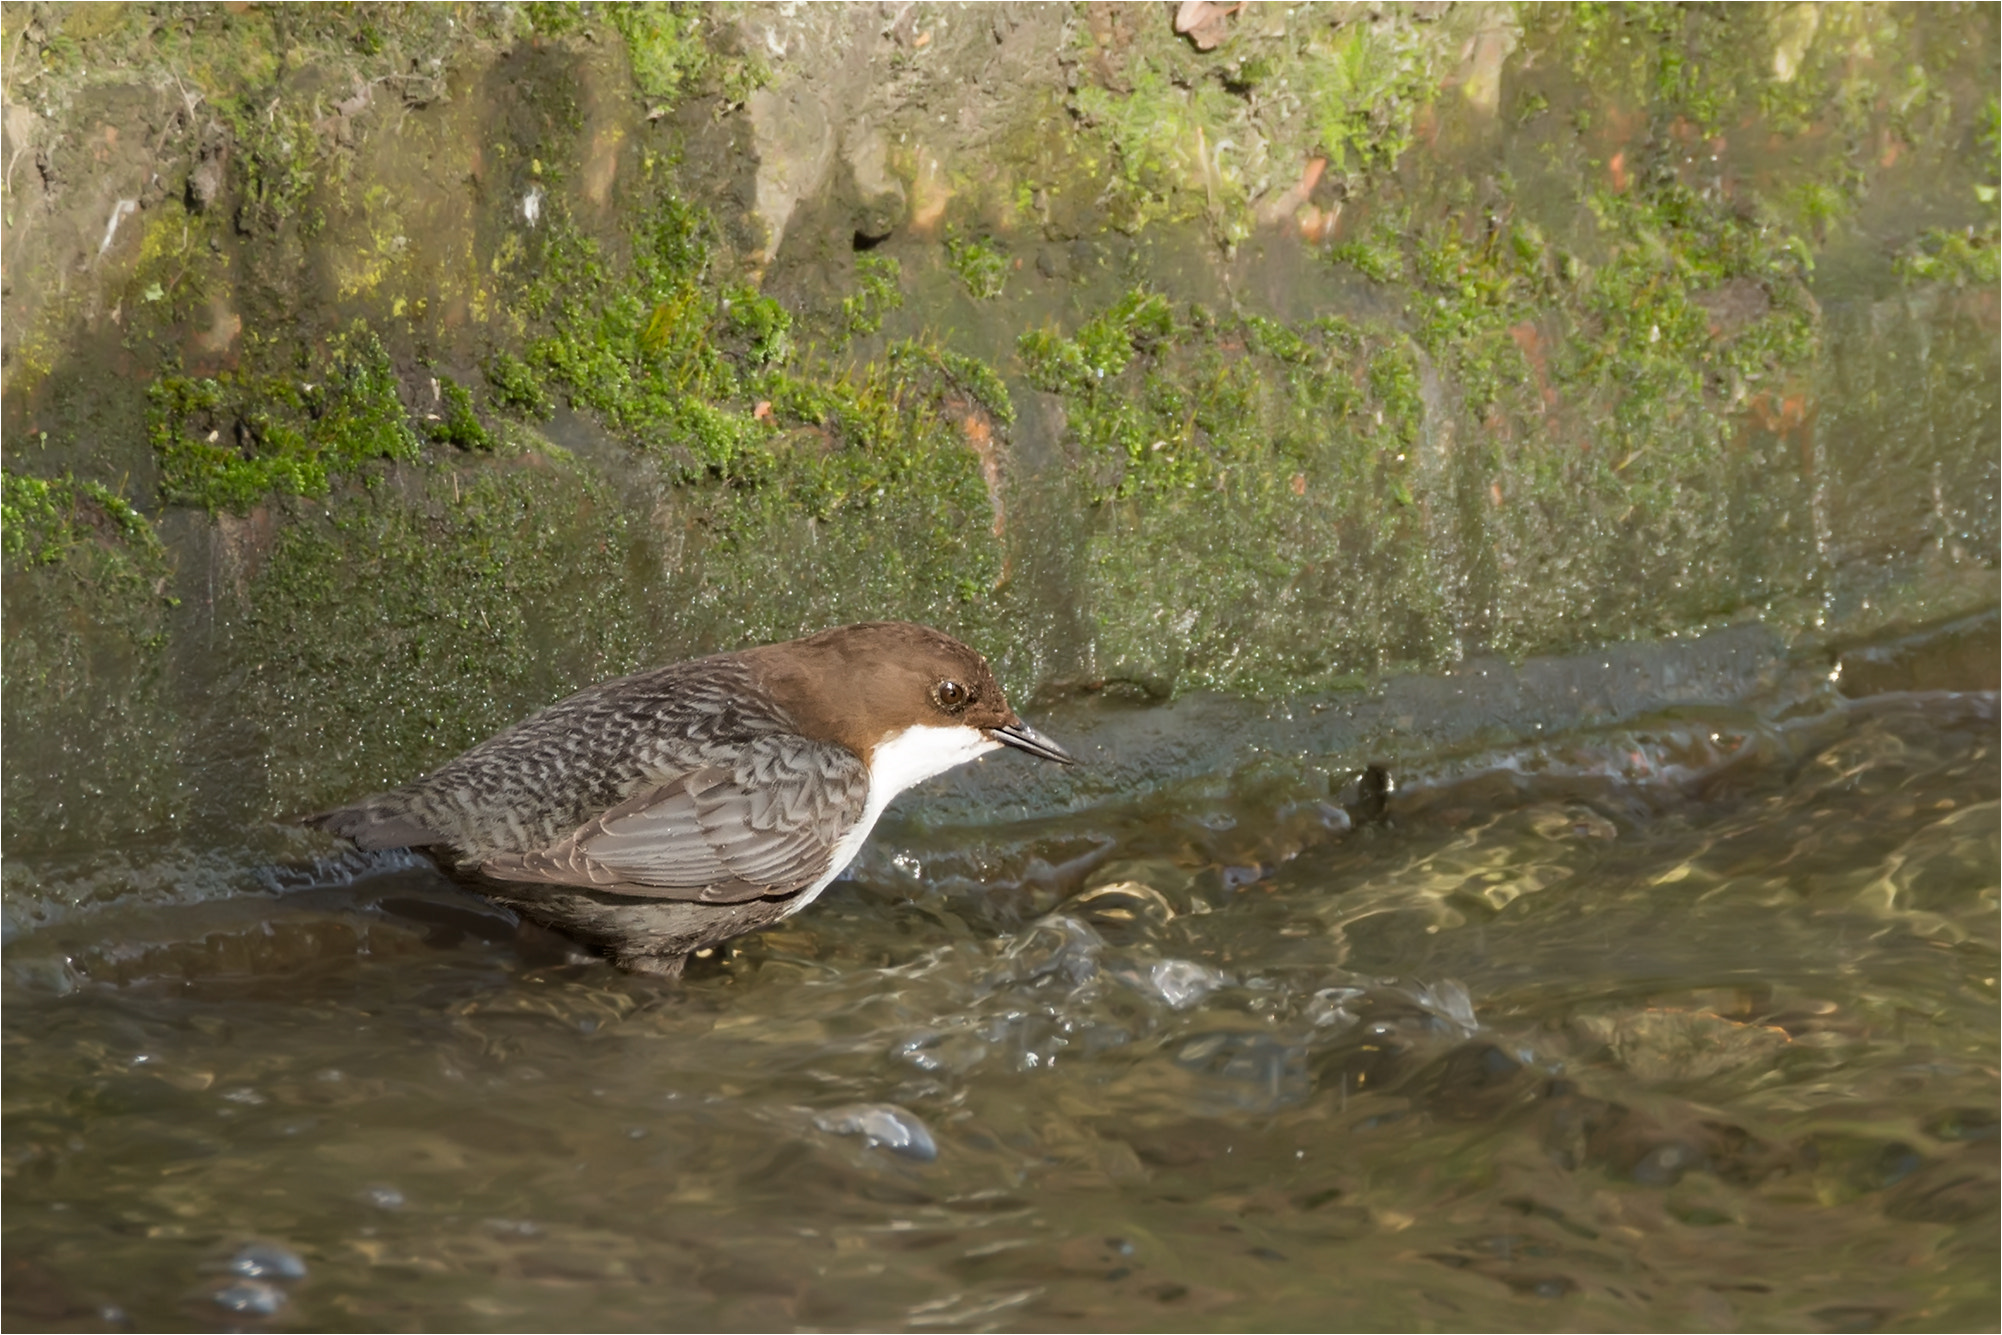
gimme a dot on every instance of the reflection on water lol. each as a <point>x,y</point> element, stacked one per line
<point>1688,1023</point>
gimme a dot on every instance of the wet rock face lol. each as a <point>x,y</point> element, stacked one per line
<point>412,368</point>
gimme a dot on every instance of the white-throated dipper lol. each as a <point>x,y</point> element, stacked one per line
<point>658,814</point>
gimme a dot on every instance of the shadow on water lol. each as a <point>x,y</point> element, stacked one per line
<point>1663,1015</point>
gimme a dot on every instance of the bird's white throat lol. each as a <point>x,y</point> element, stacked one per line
<point>903,758</point>
<point>918,753</point>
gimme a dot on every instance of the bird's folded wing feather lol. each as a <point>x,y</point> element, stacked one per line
<point>766,827</point>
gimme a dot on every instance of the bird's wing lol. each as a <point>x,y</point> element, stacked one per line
<point>766,827</point>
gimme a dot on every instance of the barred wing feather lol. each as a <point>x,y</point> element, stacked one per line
<point>765,828</point>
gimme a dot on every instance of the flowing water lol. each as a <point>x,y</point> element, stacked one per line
<point>1686,1019</point>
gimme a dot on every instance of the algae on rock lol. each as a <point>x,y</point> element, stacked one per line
<point>459,355</point>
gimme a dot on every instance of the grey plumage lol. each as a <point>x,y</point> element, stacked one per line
<point>685,782</point>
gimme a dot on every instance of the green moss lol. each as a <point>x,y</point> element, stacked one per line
<point>457,424</point>
<point>1393,381</point>
<point>35,518</point>
<point>1193,136</point>
<point>1956,258</point>
<point>975,378</point>
<point>1831,78</point>
<point>517,388</point>
<point>1672,250</point>
<point>1688,299</point>
<point>1362,86</point>
<point>763,324</point>
<point>1961,257</point>
<point>877,293</point>
<point>1102,347</point>
<point>229,442</point>
<point>277,162</point>
<point>979,265</point>
<point>554,18</point>
<point>45,521</point>
<point>671,53</point>
<point>1160,131</point>
<point>1158,403</point>
<point>1378,256</point>
<point>636,345</point>
<point>764,440</point>
<point>1694,63</point>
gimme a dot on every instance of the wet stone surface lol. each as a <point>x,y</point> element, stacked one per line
<point>1687,1021</point>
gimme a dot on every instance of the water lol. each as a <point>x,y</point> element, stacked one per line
<point>1687,1020</point>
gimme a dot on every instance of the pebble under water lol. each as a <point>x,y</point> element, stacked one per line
<point>1689,1022</point>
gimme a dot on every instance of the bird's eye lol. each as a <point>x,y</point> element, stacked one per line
<point>950,696</point>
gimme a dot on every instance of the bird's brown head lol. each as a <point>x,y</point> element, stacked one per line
<point>860,684</point>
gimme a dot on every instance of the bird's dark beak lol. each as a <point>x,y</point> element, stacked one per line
<point>1025,738</point>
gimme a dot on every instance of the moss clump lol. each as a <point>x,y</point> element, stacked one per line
<point>634,346</point>
<point>669,52</point>
<point>1200,136</point>
<point>1361,87</point>
<point>1103,346</point>
<point>1160,131</point>
<point>1964,256</point>
<point>457,424</point>
<point>554,18</point>
<point>877,467</point>
<point>1687,303</point>
<point>763,325</point>
<point>1379,256</point>
<point>1786,65</point>
<point>48,521</point>
<point>970,375</point>
<point>1957,258</point>
<point>982,268</point>
<point>1159,403</point>
<point>1837,81</point>
<point>228,442</point>
<point>277,164</point>
<point>877,293</point>
<point>681,362</point>
<point>517,388</point>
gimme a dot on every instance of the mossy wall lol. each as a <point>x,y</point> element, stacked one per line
<point>374,374</point>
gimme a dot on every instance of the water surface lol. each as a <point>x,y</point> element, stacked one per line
<point>1684,1021</point>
